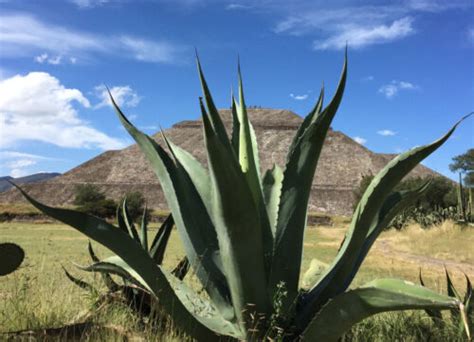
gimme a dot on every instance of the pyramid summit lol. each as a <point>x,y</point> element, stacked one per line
<point>342,164</point>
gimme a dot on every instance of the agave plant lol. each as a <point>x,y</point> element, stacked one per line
<point>131,293</point>
<point>243,234</point>
<point>463,318</point>
<point>11,257</point>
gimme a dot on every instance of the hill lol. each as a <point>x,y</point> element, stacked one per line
<point>37,177</point>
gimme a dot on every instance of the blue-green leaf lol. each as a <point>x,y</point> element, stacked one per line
<point>296,188</point>
<point>271,183</point>
<point>341,313</point>
<point>137,258</point>
<point>237,221</point>
<point>334,280</point>
<point>195,227</point>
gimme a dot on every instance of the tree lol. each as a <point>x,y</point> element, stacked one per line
<point>440,194</point>
<point>87,193</point>
<point>464,163</point>
<point>89,199</point>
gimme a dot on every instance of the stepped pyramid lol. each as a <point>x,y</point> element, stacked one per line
<point>343,163</point>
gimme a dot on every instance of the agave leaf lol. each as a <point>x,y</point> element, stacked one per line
<point>248,149</point>
<point>115,265</point>
<point>220,295</point>
<point>199,307</point>
<point>296,187</point>
<point>194,225</point>
<point>452,292</point>
<point>272,182</point>
<point>468,315</point>
<point>134,255</point>
<point>109,282</point>
<point>235,136</point>
<point>132,230</point>
<point>81,283</point>
<point>468,301</point>
<point>334,280</point>
<point>382,295</point>
<point>203,309</point>
<point>435,315</point>
<point>198,174</point>
<point>144,229</point>
<point>393,204</point>
<point>309,119</point>
<point>249,162</point>
<point>120,220</point>
<point>181,269</point>
<point>236,218</point>
<point>214,117</point>
<point>158,246</point>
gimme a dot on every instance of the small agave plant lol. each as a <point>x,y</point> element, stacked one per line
<point>243,234</point>
<point>464,318</point>
<point>132,292</point>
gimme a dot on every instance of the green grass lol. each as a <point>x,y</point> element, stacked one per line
<point>39,295</point>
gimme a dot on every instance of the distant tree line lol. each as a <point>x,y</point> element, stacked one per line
<point>439,201</point>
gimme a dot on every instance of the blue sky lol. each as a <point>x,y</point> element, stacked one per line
<point>411,70</point>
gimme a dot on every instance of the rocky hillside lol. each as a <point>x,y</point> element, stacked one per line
<point>343,162</point>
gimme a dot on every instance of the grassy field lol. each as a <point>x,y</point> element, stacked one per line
<point>39,295</point>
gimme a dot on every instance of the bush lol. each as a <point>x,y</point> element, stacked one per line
<point>89,199</point>
<point>435,205</point>
<point>104,208</point>
<point>86,194</point>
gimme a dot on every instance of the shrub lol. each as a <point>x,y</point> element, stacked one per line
<point>243,234</point>
<point>89,199</point>
<point>104,208</point>
<point>87,193</point>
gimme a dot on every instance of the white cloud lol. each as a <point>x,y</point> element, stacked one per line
<point>124,96</point>
<point>436,5</point>
<point>37,107</point>
<point>392,89</point>
<point>357,36</point>
<point>360,140</point>
<point>149,128</point>
<point>16,173</point>
<point>19,34</point>
<point>368,78</point>
<point>21,163</point>
<point>19,167</point>
<point>332,24</point>
<point>236,6</point>
<point>299,97</point>
<point>89,3</point>
<point>15,154</point>
<point>45,58</point>
<point>386,132</point>
<point>24,35</point>
<point>41,58</point>
<point>151,51</point>
<point>18,163</point>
